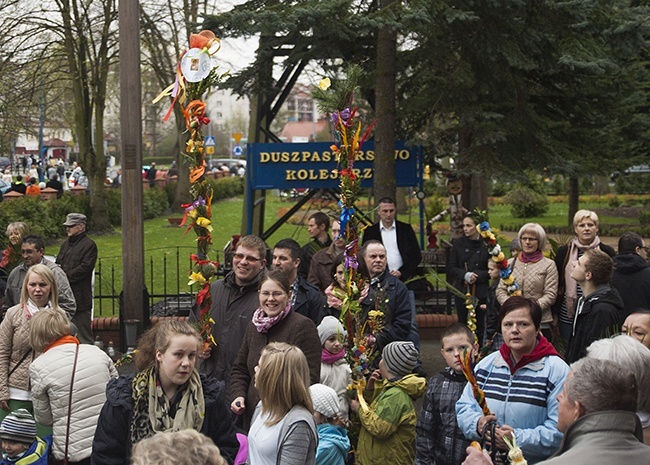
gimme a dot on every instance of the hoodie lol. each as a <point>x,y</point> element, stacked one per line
<point>333,445</point>
<point>388,423</point>
<point>598,315</point>
<point>632,281</point>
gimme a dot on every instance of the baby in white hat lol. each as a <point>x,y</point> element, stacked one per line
<point>333,441</point>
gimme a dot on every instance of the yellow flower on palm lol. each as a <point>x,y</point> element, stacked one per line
<point>196,278</point>
<point>324,83</point>
<point>204,223</point>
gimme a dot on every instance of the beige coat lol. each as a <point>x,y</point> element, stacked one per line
<point>50,374</point>
<point>537,281</point>
<point>14,344</point>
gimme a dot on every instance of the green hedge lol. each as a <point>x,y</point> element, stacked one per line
<point>46,218</point>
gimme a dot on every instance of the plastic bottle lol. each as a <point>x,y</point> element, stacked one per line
<point>99,343</point>
<point>111,349</point>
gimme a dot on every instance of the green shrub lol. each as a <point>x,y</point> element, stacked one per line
<point>68,203</point>
<point>644,218</point>
<point>614,202</point>
<point>433,206</point>
<point>527,203</point>
<point>114,206</point>
<point>35,213</point>
<point>154,203</point>
<point>226,188</point>
<point>499,189</point>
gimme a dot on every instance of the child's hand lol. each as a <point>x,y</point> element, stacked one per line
<point>482,306</point>
<point>375,376</point>
<point>354,405</point>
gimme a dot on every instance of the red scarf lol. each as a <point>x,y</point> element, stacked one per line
<point>541,350</point>
<point>531,257</point>
<point>62,340</point>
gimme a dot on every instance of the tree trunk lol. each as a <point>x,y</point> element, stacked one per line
<point>384,166</point>
<point>182,194</point>
<point>574,197</point>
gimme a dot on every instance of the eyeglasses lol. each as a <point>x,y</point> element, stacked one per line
<point>249,258</point>
<point>274,294</point>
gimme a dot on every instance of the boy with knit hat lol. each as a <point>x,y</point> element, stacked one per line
<point>388,423</point>
<point>334,369</point>
<point>333,441</point>
<point>20,444</point>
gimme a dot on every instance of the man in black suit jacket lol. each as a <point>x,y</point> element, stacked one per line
<point>402,248</point>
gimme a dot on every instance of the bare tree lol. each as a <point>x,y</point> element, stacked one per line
<point>81,36</point>
<point>166,29</point>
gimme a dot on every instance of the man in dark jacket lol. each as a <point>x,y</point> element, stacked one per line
<point>393,294</point>
<point>54,183</point>
<point>398,238</point>
<point>599,311</point>
<point>77,257</point>
<point>306,299</point>
<point>18,185</point>
<point>632,273</point>
<point>234,300</point>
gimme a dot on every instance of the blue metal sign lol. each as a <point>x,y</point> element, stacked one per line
<point>314,166</point>
<point>237,150</point>
<point>209,141</point>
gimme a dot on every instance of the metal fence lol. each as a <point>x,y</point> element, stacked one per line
<point>166,278</point>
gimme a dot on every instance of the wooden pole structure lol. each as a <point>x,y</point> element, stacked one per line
<point>133,304</point>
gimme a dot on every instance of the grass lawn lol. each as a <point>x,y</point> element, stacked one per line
<point>167,248</point>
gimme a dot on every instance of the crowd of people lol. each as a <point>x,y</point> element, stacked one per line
<point>274,388</point>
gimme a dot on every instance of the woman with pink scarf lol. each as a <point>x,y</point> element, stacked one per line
<point>535,275</point>
<point>585,225</point>
<point>273,321</point>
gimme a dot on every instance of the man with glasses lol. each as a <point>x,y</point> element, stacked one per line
<point>32,251</point>
<point>632,273</point>
<point>598,313</point>
<point>234,300</point>
<point>77,257</point>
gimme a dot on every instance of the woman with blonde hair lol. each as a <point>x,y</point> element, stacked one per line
<point>166,394</point>
<point>534,274</point>
<point>585,226</point>
<point>187,447</point>
<point>39,291</point>
<point>283,429</point>
<point>68,384</point>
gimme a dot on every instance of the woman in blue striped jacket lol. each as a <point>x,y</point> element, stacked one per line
<point>521,382</point>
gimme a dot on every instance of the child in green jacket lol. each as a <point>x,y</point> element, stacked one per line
<point>388,423</point>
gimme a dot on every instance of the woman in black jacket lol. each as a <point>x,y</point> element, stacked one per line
<point>166,394</point>
<point>469,272</point>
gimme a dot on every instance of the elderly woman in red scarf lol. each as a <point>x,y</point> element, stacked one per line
<point>585,225</point>
<point>11,254</point>
<point>534,274</point>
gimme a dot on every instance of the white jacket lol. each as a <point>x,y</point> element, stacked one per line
<point>50,376</point>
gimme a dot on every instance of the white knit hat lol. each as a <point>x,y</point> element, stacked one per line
<point>325,400</point>
<point>400,357</point>
<point>328,326</point>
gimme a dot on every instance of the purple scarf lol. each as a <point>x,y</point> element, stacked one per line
<point>263,322</point>
<point>329,358</point>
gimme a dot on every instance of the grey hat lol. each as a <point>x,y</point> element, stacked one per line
<point>325,400</point>
<point>328,326</point>
<point>74,219</point>
<point>18,426</point>
<point>400,357</point>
